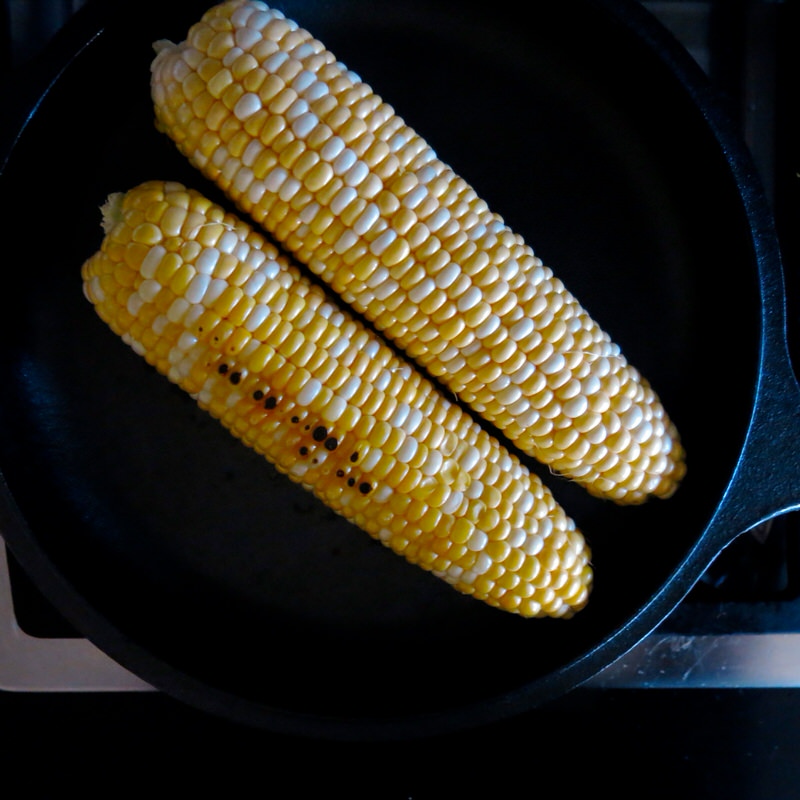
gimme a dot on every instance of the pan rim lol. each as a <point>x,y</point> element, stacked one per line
<point>108,638</point>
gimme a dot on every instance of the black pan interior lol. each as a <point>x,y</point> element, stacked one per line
<point>186,556</point>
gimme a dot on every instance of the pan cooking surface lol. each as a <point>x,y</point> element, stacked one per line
<point>184,554</point>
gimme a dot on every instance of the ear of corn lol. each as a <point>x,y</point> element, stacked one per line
<point>314,156</point>
<point>218,310</point>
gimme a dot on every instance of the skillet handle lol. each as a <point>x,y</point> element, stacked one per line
<point>766,481</point>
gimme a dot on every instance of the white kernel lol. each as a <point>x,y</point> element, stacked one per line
<point>554,364</point>
<point>256,317</point>
<point>453,502</point>
<point>247,37</point>
<point>244,177</point>
<point>407,450</point>
<point>488,326</point>
<point>298,469</point>
<point>469,458</point>
<point>149,289</point>
<point>228,242</point>
<point>197,288</point>
<point>231,55</point>
<point>371,459</point>
<point>422,290</point>
<point>576,406</point>
<point>186,341</point>
<point>255,192</point>
<point>469,299</point>
<point>474,490</point>
<point>242,14</point>
<point>254,282</point>
<point>309,212</point>
<point>309,391</point>
<point>303,50</point>
<point>177,310</point>
<point>315,91</point>
<point>303,80</point>
<point>633,417</point>
<point>368,217</point>
<point>516,537</point>
<point>378,280</point>
<point>433,463</point>
<point>215,289</point>
<point>134,304</point>
<point>94,290</point>
<point>297,110</point>
<point>304,124</point>
<point>275,61</point>
<point>523,373</point>
<point>412,421</point>
<point>332,148</point>
<point>342,199</point>
<point>447,275</point>
<point>437,219</point>
<point>152,260</point>
<point>509,395</point>
<point>247,105</point>
<point>344,161</point>
<point>252,152</point>
<point>383,241</point>
<point>275,178</point>
<point>400,414</point>
<point>535,541</point>
<point>521,329</point>
<point>482,564</point>
<point>290,187</point>
<point>387,287</point>
<point>345,242</point>
<point>356,174</point>
<point>477,541</point>
<point>350,387</point>
<point>415,196</point>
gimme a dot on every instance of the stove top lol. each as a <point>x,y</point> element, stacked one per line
<point>739,626</point>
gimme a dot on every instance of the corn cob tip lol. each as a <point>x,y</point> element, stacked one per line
<point>111,211</point>
<point>163,44</point>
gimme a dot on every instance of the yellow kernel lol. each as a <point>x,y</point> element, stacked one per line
<point>318,176</point>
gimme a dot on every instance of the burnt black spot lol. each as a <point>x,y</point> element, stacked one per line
<point>320,433</point>
<point>222,369</point>
<point>295,419</point>
<point>304,451</point>
<point>339,473</point>
<point>354,457</point>
<point>235,377</point>
<point>258,394</point>
<point>351,481</point>
<point>364,488</point>
<point>271,402</point>
<point>331,443</point>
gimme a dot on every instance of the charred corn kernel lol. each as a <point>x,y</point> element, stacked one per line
<point>448,268</point>
<point>330,404</point>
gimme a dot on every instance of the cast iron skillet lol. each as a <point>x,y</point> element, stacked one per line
<point>186,558</point>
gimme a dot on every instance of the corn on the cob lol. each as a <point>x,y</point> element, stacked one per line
<point>306,148</point>
<point>217,309</point>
